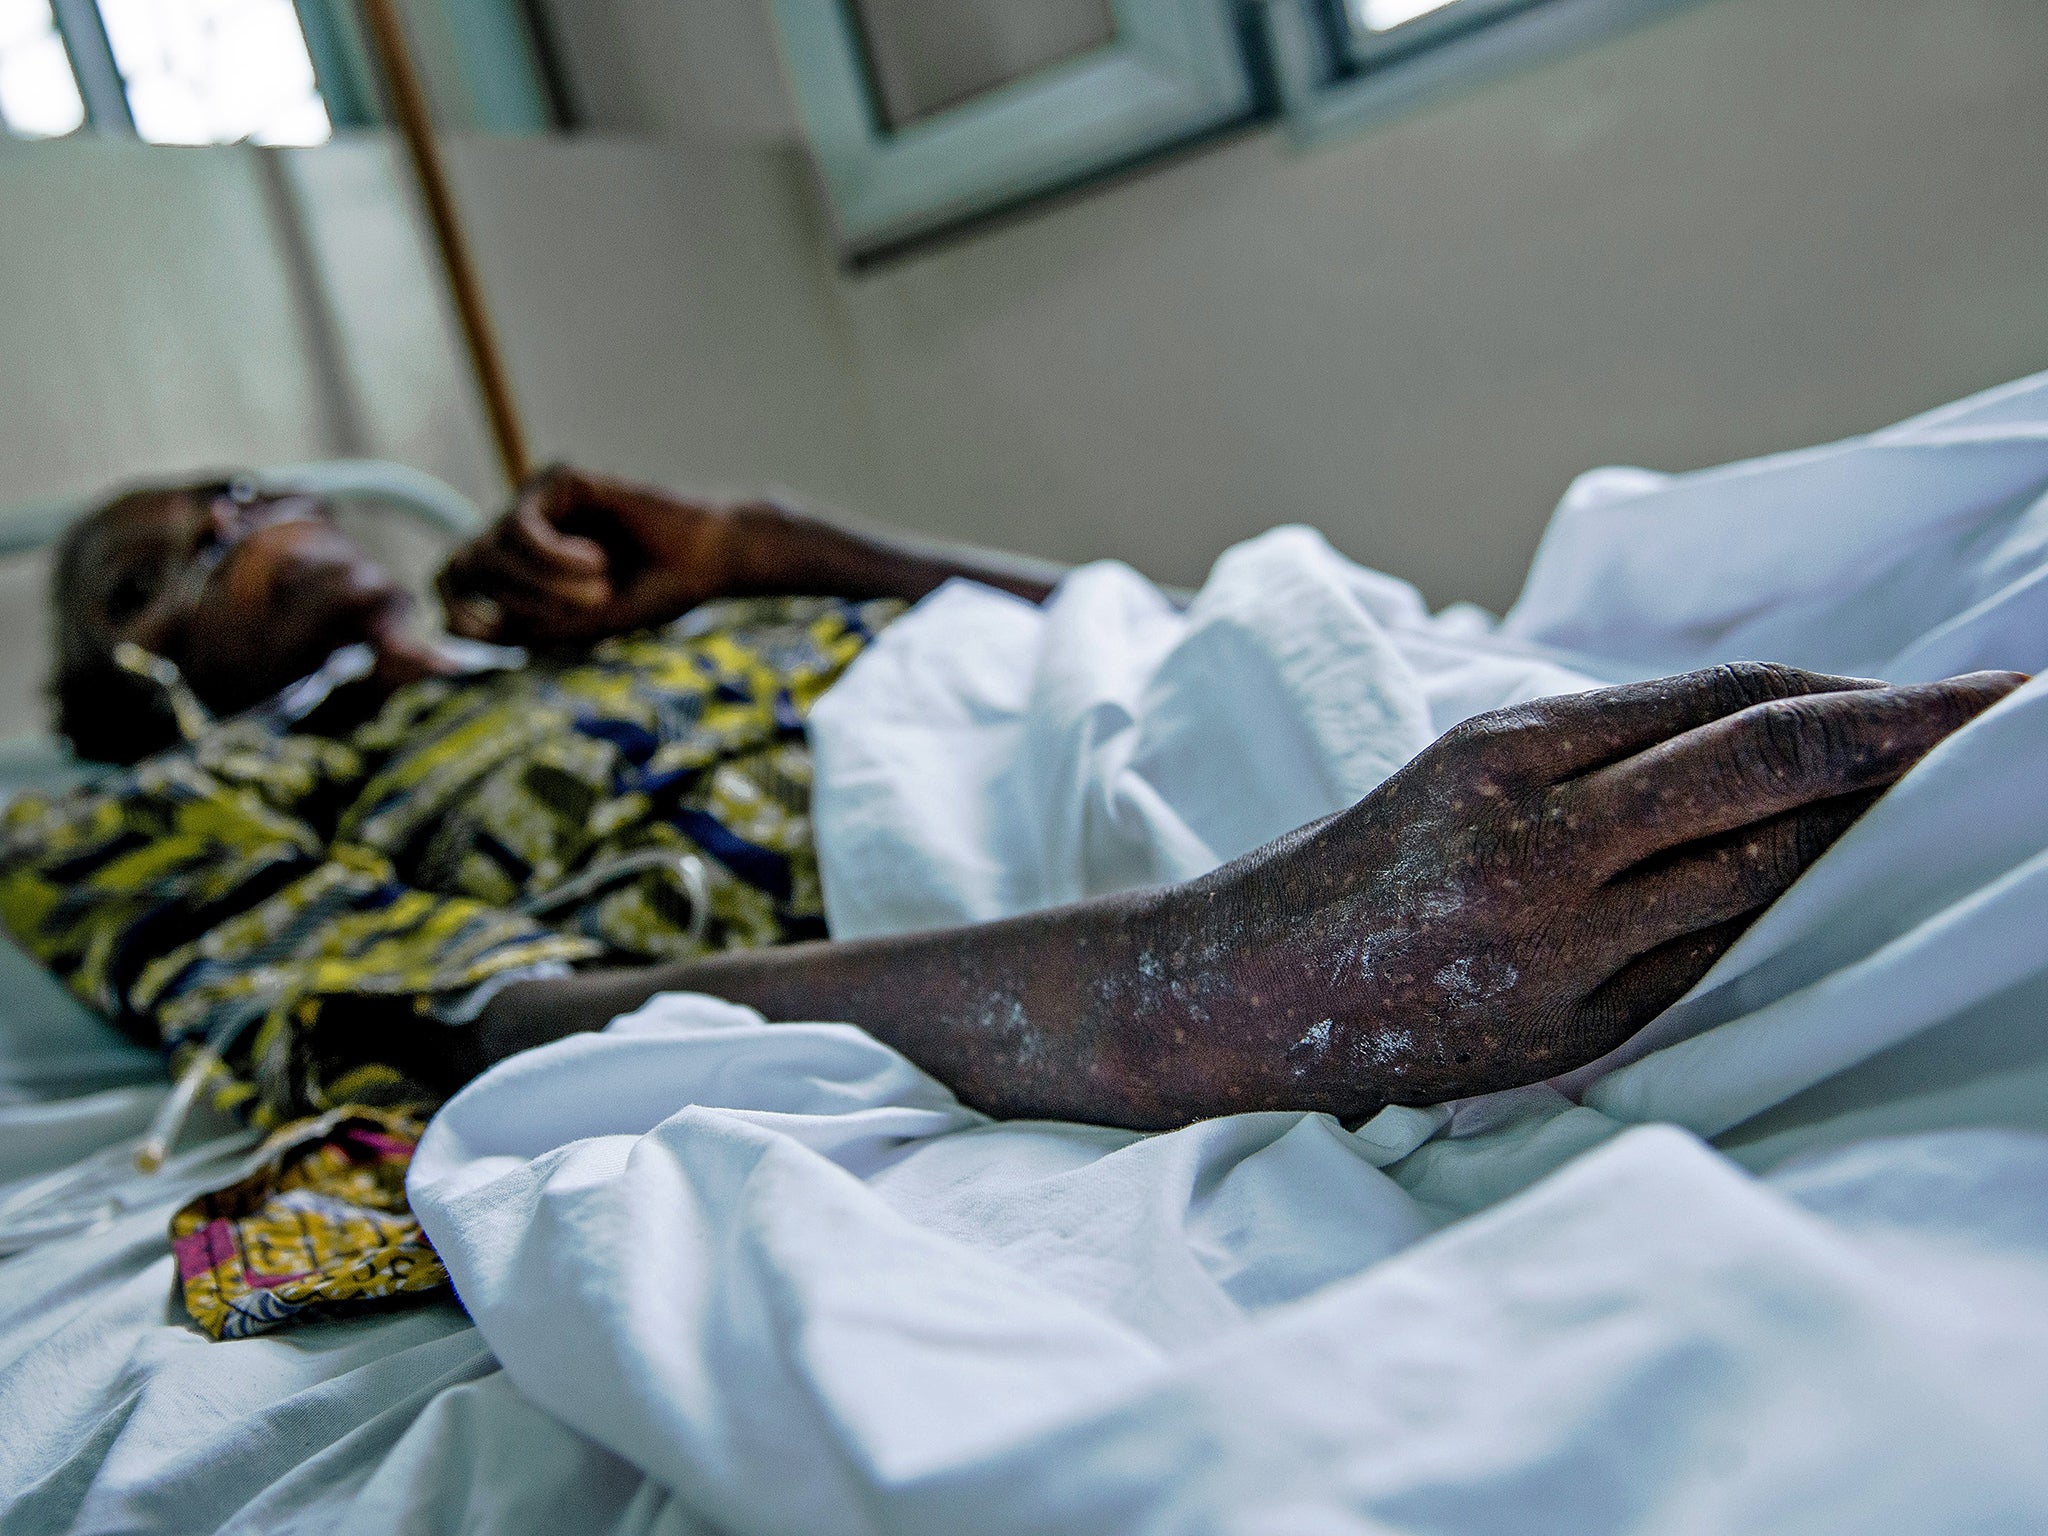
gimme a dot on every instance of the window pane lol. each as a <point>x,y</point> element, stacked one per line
<point>927,55</point>
<point>1385,15</point>
<point>216,71</point>
<point>38,93</point>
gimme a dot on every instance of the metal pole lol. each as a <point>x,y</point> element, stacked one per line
<point>415,125</point>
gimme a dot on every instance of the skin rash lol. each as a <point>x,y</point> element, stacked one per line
<point>1514,903</point>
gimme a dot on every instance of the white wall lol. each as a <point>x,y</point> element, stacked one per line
<point>692,69</point>
<point>1758,224</point>
<point>1755,225</point>
<point>163,311</point>
<point>147,321</point>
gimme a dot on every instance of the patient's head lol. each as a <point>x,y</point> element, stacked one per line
<point>242,590</point>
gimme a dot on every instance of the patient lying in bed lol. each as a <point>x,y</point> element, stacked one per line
<point>1778,1262</point>
<point>348,869</point>
<point>391,863</point>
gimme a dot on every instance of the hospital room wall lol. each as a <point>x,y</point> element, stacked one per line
<point>146,320</point>
<point>1756,224</point>
<point>664,307</point>
<point>1753,225</point>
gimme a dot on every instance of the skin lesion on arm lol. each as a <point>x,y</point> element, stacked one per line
<point>1513,904</point>
<point>1028,1017</point>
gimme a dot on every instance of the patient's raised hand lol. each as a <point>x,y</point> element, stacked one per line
<point>1529,891</point>
<point>582,556</point>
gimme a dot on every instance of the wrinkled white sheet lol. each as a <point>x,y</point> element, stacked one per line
<point>783,1273</point>
<point>779,1272</point>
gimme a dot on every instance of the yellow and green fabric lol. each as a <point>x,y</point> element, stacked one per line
<point>321,1223</point>
<point>643,800</point>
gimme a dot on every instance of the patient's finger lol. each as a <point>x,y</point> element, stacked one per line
<point>468,608</point>
<point>519,619</point>
<point>510,567</point>
<point>1575,733</point>
<point>1702,884</point>
<point>525,544</point>
<point>473,617</point>
<point>468,612</point>
<point>1768,759</point>
<point>531,530</point>
<point>1645,987</point>
<point>489,570</point>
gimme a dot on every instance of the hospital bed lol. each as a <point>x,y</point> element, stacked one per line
<point>1781,1265</point>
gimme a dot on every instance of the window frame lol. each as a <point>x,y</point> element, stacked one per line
<point>494,73</point>
<point>100,85</point>
<point>489,54</point>
<point>1367,50</point>
<point>1331,82</point>
<point>1174,72</point>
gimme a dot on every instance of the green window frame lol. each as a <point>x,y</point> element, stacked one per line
<point>488,59</point>
<point>1174,72</point>
<point>1332,78</point>
<point>487,55</point>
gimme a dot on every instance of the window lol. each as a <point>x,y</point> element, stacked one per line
<point>255,71</point>
<point>1342,65</point>
<point>925,58</point>
<point>1377,24</point>
<point>924,112</point>
<point>923,115</point>
<point>1385,15</point>
<point>38,93</point>
<point>215,71</point>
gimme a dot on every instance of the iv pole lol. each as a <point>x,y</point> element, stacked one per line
<point>415,125</point>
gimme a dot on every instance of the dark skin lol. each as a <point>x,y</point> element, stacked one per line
<point>1516,902</point>
<point>583,556</point>
<point>248,592</point>
<point>244,592</point>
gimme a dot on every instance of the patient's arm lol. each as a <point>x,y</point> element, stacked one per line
<point>581,556</point>
<point>1514,903</point>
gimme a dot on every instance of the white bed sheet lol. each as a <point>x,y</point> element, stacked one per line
<point>779,1271</point>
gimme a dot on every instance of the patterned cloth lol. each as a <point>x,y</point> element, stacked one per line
<point>251,892</point>
<point>322,1223</point>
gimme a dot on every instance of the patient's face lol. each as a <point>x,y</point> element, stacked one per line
<point>244,591</point>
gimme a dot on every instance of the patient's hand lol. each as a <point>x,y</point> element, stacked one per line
<point>1517,901</point>
<point>581,556</point>
<point>1514,903</point>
